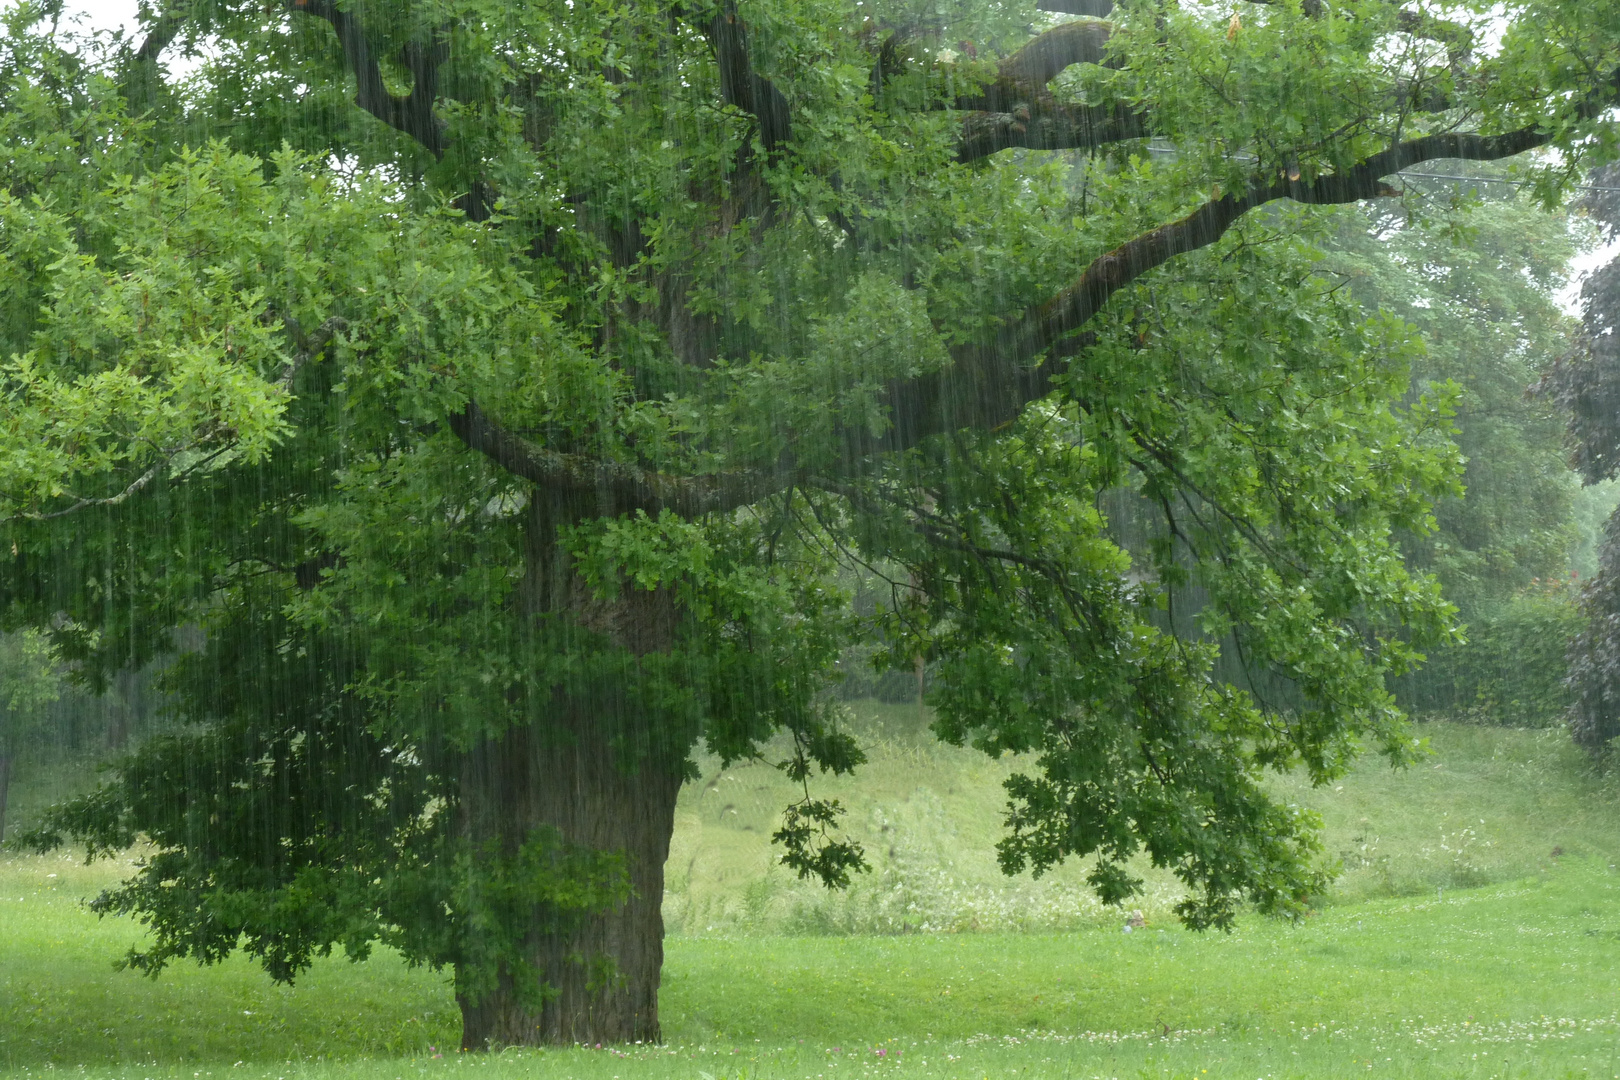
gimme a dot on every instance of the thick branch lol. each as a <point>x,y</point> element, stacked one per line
<point>741,86</point>
<point>1021,78</point>
<point>412,113</point>
<point>1044,56</point>
<point>989,384</point>
<point>1018,110</point>
<point>618,488</point>
<point>1050,126</point>
<point>1097,9</point>
<point>163,32</point>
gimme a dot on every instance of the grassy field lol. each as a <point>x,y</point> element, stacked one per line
<point>1456,947</point>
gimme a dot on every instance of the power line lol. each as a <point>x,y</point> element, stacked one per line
<point>1415,175</point>
<point>1493,180</point>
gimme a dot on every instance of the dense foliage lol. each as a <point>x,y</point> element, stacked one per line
<point>507,435</point>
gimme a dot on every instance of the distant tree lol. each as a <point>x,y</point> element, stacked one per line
<point>505,398</point>
<point>30,682</point>
<point>1587,386</point>
<point>1477,268</point>
<point>1481,281</point>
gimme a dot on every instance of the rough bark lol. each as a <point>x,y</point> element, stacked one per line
<point>604,780</point>
<point>606,489</point>
<point>1096,9</point>
<point>600,981</point>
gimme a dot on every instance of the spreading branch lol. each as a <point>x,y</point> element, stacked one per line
<point>411,113</point>
<point>1018,110</point>
<point>989,384</point>
<point>617,488</point>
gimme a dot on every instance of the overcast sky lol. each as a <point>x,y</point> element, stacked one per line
<point>104,14</point>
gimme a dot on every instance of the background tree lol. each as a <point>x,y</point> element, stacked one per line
<point>1477,268</point>
<point>506,433</point>
<point>30,681</point>
<point>1587,386</point>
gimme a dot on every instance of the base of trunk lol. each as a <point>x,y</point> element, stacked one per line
<point>597,983</point>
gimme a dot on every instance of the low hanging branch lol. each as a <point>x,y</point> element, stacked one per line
<point>165,461</point>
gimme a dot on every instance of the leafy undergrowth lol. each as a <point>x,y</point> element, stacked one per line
<point>1520,979</point>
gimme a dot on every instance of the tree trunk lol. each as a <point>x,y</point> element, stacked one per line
<point>121,708</point>
<point>605,779</point>
<point>5,786</point>
<point>599,984</point>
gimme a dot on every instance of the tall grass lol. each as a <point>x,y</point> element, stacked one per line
<point>1488,804</point>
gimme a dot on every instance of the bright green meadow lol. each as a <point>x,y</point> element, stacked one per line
<point>1457,944</point>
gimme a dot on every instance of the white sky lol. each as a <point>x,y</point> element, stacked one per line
<point>1580,267</point>
<point>104,14</point>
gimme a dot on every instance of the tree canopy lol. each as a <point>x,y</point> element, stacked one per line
<point>495,398</point>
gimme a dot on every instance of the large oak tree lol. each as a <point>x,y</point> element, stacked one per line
<point>494,398</point>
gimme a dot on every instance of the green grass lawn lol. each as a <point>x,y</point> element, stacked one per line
<point>1448,977</point>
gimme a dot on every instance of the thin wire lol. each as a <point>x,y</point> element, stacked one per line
<point>1493,180</point>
